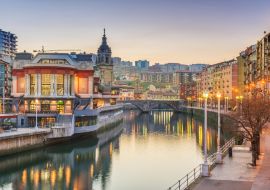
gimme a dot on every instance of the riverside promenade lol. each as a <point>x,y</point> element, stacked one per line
<point>236,173</point>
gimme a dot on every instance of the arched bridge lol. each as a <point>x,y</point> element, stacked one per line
<point>148,105</point>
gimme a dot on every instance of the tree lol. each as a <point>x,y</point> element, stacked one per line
<point>251,117</point>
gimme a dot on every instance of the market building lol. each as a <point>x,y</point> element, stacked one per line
<point>49,84</point>
<point>60,88</point>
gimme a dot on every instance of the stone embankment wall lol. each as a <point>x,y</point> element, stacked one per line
<point>212,119</point>
<point>18,142</point>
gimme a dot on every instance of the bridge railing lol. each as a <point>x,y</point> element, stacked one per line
<point>192,176</point>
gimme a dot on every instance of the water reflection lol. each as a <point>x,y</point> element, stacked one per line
<point>171,124</point>
<point>133,155</point>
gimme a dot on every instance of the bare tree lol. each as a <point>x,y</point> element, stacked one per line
<point>251,117</point>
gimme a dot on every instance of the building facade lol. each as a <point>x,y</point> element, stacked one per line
<point>5,87</point>
<point>49,84</point>
<point>142,64</point>
<point>8,44</point>
<point>262,77</point>
<point>184,77</point>
<point>247,61</point>
<point>188,91</point>
<point>221,77</point>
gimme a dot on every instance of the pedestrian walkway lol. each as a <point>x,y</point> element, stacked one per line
<point>262,181</point>
<point>22,131</point>
<point>235,173</point>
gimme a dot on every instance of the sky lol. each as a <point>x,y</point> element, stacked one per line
<point>161,31</point>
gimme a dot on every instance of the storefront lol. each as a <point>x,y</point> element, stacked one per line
<point>43,122</point>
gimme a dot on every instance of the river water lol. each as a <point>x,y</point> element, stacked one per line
<point>145,152</point>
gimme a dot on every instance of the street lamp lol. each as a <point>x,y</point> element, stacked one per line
<point>36,115</point>
<point>219,154</point>
<point>205,166</point>
<point>226,103</point>
<point>237,103</point>
<point>241,103</point>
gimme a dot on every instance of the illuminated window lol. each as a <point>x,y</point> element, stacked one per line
<point>60,85</point>
<point>20,85</point>
<point>83,83</point>
<point>32,106</point>
<point>33,83</point>
<point>45,84</point>
<point>60,106</point>
<point>45,105</point>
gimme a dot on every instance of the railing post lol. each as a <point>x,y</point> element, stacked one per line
<point>179,184</point>
<point>187,180</point>
<point>194,173</point>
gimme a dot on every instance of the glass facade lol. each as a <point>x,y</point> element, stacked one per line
<point>45,106</point>
<point>32,106</point>
<point>82,121</point>
<point>60,106</point>
<point>43,122</point>
<point>45,84</point>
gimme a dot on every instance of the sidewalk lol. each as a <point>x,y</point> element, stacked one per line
<point>262,181</point>
<point>235,174</point>
<point>22,132</point>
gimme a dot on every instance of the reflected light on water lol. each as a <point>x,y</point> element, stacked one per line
<point>24,177</point>
<point>150,146</point>
<point>67,176</point>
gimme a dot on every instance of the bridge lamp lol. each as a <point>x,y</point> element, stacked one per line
<point>205,166</point>
<point>219,154</point>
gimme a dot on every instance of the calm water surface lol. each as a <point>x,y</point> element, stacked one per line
<point>145,152</point>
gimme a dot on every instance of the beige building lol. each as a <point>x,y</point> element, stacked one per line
<point>221,77</point>
<point>263,63</point>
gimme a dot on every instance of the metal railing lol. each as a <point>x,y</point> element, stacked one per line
<point>188,179</point>
<point>193,175</point>
<point>227,145</point>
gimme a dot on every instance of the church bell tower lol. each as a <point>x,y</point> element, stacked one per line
<point>104,63</point>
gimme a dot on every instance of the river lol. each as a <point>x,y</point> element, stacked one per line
<point>144,152</point>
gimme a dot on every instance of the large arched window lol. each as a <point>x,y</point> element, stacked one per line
<point>60,85</point>
<point>33,83</point>
<point>45,84</point>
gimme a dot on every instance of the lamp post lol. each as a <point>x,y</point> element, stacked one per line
<point>226,103</point>
<point>219,154</point>
<point>241,103</point>
<point>3,101</point>
<point>36,115</point>
<point>237,103</point>
<point>205,166</point>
